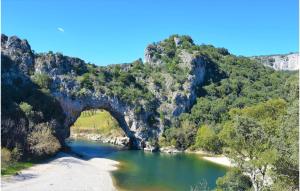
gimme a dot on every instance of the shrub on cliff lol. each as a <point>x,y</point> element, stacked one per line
<point>42,80</point>
<point>26,108</point>
<point>86,82</point>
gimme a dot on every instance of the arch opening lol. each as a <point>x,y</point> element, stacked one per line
<point>102,125</point>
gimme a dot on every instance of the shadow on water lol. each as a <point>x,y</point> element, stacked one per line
<point>87,150</point>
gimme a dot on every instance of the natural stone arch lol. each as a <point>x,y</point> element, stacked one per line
<point>123,113</point>
<point>143,125</point>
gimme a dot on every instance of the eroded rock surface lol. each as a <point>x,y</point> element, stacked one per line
<point>280,62</point>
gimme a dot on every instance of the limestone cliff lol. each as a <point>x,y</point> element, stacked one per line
<point>288,62</point>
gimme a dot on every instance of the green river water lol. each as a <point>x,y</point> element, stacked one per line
<point>144,171</point>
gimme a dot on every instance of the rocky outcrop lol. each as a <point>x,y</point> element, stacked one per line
<point>66,77</point>
<point>176,92</point>
<point>121,141</point>
<point>288,62</point>
<point>170,150</point>
<point>19,51</point>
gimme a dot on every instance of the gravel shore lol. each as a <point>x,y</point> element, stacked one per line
<point>64,172</point>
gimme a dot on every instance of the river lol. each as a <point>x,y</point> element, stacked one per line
<point>144,171</point>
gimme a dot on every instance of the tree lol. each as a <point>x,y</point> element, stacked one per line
<point>250,139</point>
<point>181,141</point>
<point>286,166</point>
<point>233,180</point>
<point>207,139</point>
<point>248,147</point>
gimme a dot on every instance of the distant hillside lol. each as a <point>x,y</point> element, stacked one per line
<point>280,61</point>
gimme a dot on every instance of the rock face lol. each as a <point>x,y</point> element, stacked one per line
<point>173,98</point>
<point>19,51</point>
<point>121,141</point>
<point>175,95</point>
<point>280,62</point>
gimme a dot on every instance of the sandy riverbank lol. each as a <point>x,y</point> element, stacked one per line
<point>218,159</point>
<point>64,172</point>
<point>222,160</point>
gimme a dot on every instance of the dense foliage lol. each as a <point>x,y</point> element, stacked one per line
<point>251,135</point>
<point>231,82</point>
<point>125,81</point>
<point>234,180</point>
<point>258,104</point>
<point>208,139</point>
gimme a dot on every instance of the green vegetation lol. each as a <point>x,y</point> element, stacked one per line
<point>41,141</point>
<point>180,137</point>
<point>126,82</point>
<point>252,137</point>
<point>9,157</point>
<point>15,168</point>
<point>9,161</point>
<point>243,110</point>
<point>42,80</point>
<point>230,82</point>
<point>207,139</point>
<point>234,180</point>
<point>26,108</point>
<point>97,122</point>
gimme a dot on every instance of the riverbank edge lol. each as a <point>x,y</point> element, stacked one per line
<point>208,156</point>
<point>114,140</point>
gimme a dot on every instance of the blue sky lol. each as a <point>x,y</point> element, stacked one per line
<point>116,31</point>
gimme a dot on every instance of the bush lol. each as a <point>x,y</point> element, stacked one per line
<point>153,142</point>
<point>42,80</point>
<point>6,157</point>
<point>162,141</point>
<point>181,141</point>
<point>16,153</point>
<point>234,180</point>
<point>182,135</point>
<point>86,82</point>
<point>42,142</point>
<point>26,108</point>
